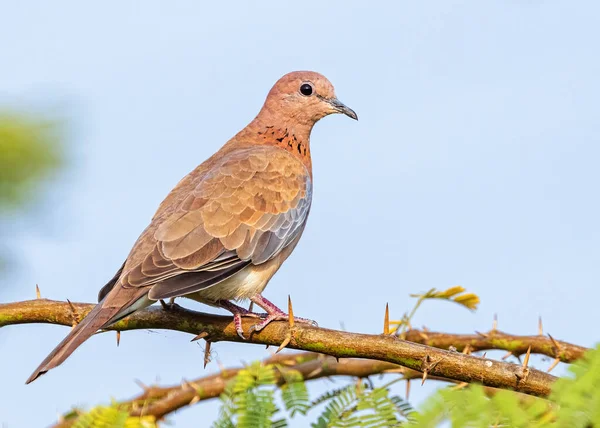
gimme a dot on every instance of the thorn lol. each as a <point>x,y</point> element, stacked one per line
<point>267,346</point>
<point>554,364</point>
<point>164,305</point>
<point>285,342</point>
<point>118,337</point>
<point>508,354</point>
<point>424,377</point>
<point>290,318</point>
<point>207,353</point>
<point>313,373</point>
<point>194,400</point>
<point>251,307</point>
<point>186,384</point>
<point>527,355</point>
<point>484,354</point>
<point>200,336</point>
<point>485,336</point>
<point>386,320</point>
<point>467,349</point>
<point>407,389</point>
<point>73,313</point>
<point>460,386</point>
<point>540,327</point>
<point>337,359</point>
<point>555,343</point>
<point>141,385</point>
<point>495,323</point>
<point>38,295</point>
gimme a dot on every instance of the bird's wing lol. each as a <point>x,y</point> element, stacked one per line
<point>245,209</point>
<point>110,284</point>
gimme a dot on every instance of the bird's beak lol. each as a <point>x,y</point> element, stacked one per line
<point>340,107</point>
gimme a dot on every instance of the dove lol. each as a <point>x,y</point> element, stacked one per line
<point>226,228</point>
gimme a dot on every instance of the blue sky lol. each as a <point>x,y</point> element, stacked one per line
<point>475,162</point>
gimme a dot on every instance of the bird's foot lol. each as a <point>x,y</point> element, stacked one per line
<point>280,317</point>
<point>239,312</point>
<point>274,314</point>
<point>168,306</point>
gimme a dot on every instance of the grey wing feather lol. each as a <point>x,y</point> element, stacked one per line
<point>110,284</point>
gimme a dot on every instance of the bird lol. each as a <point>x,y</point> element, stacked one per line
<point>226,228</point>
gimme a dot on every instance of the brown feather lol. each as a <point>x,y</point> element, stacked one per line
<point>237,215</point>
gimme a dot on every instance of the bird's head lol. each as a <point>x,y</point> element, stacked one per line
<point>304,97</point>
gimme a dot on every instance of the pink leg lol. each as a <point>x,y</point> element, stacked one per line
<point>238,312</point>
<point>273,314</point>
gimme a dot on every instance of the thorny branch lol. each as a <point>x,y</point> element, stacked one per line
<point>425,359</point>
<point>160,401</point>
<point>495,339</point>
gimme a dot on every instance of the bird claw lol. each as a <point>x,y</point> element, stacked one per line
<point>279,317</point>
<point>237,322</point>
<point>169,306</point>
<point>273,314</point>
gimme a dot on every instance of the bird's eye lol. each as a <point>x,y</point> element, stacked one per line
<point>306,89</point>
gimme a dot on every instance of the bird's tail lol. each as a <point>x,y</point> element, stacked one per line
<point>101,316</point>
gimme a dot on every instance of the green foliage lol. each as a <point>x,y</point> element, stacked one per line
<point>249,399</point>
<point>339,406</point>
<point>29,152</point>
<point>578,396</point>
<point>471,407</point>
<point>361,406</point>
<point>294,393</point>
<point>574,402</point>
<point>112,417</point>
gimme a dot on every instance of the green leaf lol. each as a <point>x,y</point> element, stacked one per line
<point>30,151</point>
<point>112,417</point>
<point>294,392</point>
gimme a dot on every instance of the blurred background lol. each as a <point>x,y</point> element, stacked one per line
<point>475,162</point>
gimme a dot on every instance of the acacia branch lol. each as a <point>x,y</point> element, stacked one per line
<point>425,359</point>
<point>160,401</point>
<point>495,339</point>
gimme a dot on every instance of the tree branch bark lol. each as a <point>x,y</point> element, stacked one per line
<point>160,401</point>
<point>495,339</point>
<point>425,359</point>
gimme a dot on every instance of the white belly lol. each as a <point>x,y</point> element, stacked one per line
<point>243,285</point>
<point>248,282</point>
